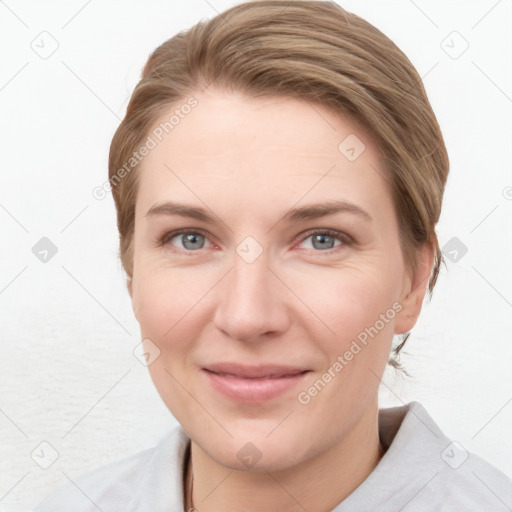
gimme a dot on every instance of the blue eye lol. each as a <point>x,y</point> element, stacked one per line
<point>191,240</point>
<point>326,240</point>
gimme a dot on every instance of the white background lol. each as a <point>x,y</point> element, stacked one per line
<point>68,374</point>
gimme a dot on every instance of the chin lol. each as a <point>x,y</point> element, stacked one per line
<point>257,458</point>
<point>248,451</point>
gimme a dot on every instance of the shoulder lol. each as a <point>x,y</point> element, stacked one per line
<point>467,482</point>
<point>447,477</point>
<point>116,486</point>
<point>423,469</point>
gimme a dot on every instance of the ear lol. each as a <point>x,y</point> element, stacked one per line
<point>414,290</point>
<point>129,286</point>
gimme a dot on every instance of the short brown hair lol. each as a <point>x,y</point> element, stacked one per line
<point>314,51</point>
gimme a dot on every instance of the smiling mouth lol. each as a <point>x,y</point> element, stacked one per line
<point>253,384</point>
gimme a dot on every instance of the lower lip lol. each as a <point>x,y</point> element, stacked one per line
<point>252,390</point>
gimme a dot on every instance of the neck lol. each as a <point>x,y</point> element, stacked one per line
<point>319,483</point>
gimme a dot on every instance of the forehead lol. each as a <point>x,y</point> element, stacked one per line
<point>231,147</point>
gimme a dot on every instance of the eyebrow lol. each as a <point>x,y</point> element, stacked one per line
<point>312,211</point>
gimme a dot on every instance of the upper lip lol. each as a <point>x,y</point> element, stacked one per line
<point>268,371</point>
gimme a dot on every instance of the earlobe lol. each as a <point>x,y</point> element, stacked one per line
<point>414,293</point>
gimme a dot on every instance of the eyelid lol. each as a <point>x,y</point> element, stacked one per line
<point>340,235</point>
<point>343,237</point>
<point>165,239</point>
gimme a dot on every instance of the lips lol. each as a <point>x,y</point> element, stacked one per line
<point>254,372</point>
<point>252,384</point>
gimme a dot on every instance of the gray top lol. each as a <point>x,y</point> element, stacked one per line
<point>421,470</point>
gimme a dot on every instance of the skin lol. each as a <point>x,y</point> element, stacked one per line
<point>248,161</point>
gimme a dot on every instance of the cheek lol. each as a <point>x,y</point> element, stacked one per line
<point>360,306</point>
<point>169,303</point>
<point>170,314</point>
<point>156,306</point>
<point>353,301</point>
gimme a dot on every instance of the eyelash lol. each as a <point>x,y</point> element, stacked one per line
<point>345,239</point>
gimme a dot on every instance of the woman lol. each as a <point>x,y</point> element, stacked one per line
<point>278,178</point>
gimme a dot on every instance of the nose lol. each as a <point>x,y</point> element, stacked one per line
<point>251,304</point>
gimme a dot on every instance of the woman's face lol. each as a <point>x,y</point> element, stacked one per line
<point>269,275</point>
